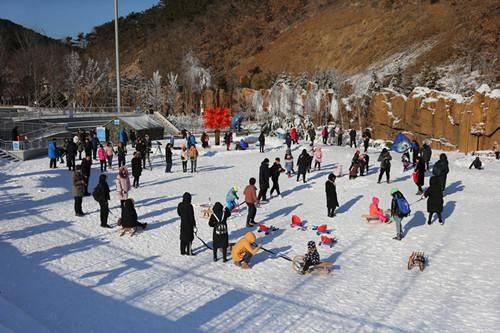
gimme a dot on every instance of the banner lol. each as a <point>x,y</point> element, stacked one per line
<point>101,133</point>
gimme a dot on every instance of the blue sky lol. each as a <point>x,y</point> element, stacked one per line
<point>60,18</point>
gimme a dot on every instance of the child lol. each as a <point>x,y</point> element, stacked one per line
<point>405,159</point>
<point>231,198</point>
<point>289,163</point>
<point>109,154</point>
<point>102,157</point>
<point>250,193</point>
<point>243,251</point>
<point>122,185</point>
<point>101,195</point>
<point>218,221</point>
<point>136,168</point>
<point>317,158</point>
<point>193,157</point>
<point>476,164</point>
<point>311,257</point>
<point>353,173</point>
<point>184,158</point>
<point>396,214</point>
<point>377,212</point>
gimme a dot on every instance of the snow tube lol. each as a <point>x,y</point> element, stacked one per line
<point>243,144</point>
<point>296,220</point>
<point>401,143</point>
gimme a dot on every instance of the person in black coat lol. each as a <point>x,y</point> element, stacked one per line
<point>366,139</point>
<point>218,221</point>
<point>275,171</point>
<point>331,195</point>
<point>476,164</point>
<point>136,168</point>
<point>303,162</point>
<point>262,142</point>
<point>352,137</point>
<point>264,174</point>
<point>141,148</point>
<point>385,165</point>
<point>441,169</point>
<point>86,167</point>
<point>14,134</point>
<point>129,215</point>
<point>426,154</point>
<point>88,147</point>
<point>101,195</point>
<point>420,170</point>
<point>71,152</point>
<point>188,224</point>
<point>415,148</point>
<point>435,199</point>
<point>168,158</point>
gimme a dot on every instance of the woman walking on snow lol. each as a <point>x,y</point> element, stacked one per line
<point>101,195</point>
<point>101,153</point>
<point>122,185</point>
<point>435,199</point>
<point>188,224</point>
<point>136,168</point>
<point>385,165</point>
<point>331,195</point>
<point>218,221</point>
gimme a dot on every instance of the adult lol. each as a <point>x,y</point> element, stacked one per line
<point>420,174</point>
<point>324,134</point>
<point>264,174</point>
<point>339,137</point>
<point>294,136</point>
<point>129,215</point>
<point>441,169</point>
<point>123,137</point>
<point>303,162</point>
<point>122,185</point>
<point>312,135</point>
<point>250,193</point>
<point>95,146</point>
<point>88,147</point>
<point>184,158</point>
<point>435,199</point>
<point>218,221</point>
<point>52,153</point>
<point>149,145</point>
<point>140,146</point>
<point>275,172</point>
<point>101,195</point>
<point>352,138</point>
<point>415,148</point>
<point>243,251</point>
<point>366,139</point>
<point>136,169</point>
<point>71,152</point>
<point>121,155</point>
<point>168,158</point>
<point>331,195</point>
<point>188,224</point>
<point>496,150</point>
<point>262,142</point>
<point>204,140</point>
<point>78,186</point>
<point>477,164</point>
<point>288,140</point>
<point>15,134</point>
<point>332,136</point>
<point>133,138</point>
<point>193,157</point>
<point>86,168</point>
<point>385,165</point>
<point>426,155</point>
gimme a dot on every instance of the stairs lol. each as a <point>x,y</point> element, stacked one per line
<point>5,156</point>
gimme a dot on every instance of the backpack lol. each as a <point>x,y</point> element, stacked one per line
<point>403,206</point>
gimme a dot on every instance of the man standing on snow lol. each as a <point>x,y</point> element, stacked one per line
<point>264,174</point>
<point>275,171</point>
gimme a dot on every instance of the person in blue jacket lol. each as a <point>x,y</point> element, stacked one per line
<point>231,198</point>
<point>52,152</point>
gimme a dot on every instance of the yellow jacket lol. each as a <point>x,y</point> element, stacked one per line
<point>243,246</point>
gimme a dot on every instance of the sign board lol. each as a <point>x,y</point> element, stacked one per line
<point>15,145</point>
<point>101,134</point>
<point>116,122</point>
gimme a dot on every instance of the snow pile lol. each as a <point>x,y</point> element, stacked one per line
<point>61,273</point>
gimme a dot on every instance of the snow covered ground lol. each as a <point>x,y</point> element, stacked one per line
<point>61,273</point>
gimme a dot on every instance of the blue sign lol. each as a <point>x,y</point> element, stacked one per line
<point>15,145</point>
<point>116,122</point>
<point>101,134</point>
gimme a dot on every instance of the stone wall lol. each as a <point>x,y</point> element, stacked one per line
<point>450,121</point>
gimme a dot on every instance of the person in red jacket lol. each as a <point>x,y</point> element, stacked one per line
<point>250,194</point>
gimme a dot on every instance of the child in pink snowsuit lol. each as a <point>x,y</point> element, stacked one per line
<point>317,158</point>
<point>377,212</point>
<point>102,157</point>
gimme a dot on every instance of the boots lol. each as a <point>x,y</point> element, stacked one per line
<point>398,237</point>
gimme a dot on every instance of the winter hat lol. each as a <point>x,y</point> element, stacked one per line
<point>376,200</point>
<point>102,178</point>
<point>266,160</point>
<point>331,177</point>
<point>311,245</point>
<point>394,190</point>
<point>235,188</point>
<point>357,152</point>
<point>277,159</point>
<point>186,197</point>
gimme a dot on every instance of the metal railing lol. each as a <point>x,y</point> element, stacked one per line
<point>24,145</point>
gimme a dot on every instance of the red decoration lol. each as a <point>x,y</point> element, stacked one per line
<point>217,118</point>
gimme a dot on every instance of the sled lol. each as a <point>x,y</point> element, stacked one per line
<point>328,241</point>
<point>323,268</point>
<point>206,212</point>
<point>417,259</point>
<point>367,218</point>
<point>131,231</point>
<point>322,229</point>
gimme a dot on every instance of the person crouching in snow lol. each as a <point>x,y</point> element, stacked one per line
<point>377,212</point>
<point>188,224</point>
<point>331,195</point>
<point>311,257</point>
<point>218,221</point>
<point>476,164</point>
<point>129,215</point>
<point>231,198</point>
<point>243,251</point>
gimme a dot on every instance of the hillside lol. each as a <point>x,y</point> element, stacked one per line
<point>233,37</point>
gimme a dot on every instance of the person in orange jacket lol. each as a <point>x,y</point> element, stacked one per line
<point>242,252</point>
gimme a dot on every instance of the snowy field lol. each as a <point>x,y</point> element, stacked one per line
<point>61,273</point>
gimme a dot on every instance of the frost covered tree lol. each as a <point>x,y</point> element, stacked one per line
<point>196,78</point>
<point>172,88</point>
<point>282,78</point>
<point>374,85</point>
<point>153,96</point>
<point>258,105</point>
<point>428,77</point>
<point>93,80</point>
<point>397,79</point>
<point>301,80</point>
